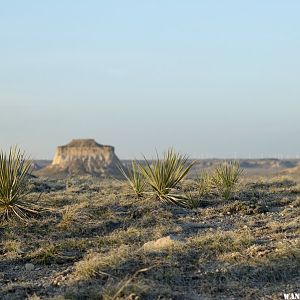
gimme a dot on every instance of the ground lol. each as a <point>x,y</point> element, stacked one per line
<point>94,240</point>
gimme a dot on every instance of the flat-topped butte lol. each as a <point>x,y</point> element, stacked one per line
<point>81,157</point>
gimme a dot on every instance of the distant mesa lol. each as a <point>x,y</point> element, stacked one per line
<point>83,157</point>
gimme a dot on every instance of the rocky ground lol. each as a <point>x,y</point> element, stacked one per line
<point>94,240</point>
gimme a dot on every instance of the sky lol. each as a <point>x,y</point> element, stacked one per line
<point>208,78</point>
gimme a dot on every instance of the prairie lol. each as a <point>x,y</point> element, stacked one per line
<point>93,239</point>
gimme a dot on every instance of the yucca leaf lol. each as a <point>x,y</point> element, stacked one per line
<point>134,178</point>
<point>14,176</point>
<point>225,178</point>
<point>163,175</point>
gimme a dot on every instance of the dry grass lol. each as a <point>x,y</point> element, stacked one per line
<point>11,249</point>
<point>70,215</point>
<point>46,254</point>
<point>88,244</point>
<point>220,242</point>
<point>95,264</point>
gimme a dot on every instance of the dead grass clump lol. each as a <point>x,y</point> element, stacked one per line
<point>11,246</point>
<point>280,264</point>
<point>287,250</point>
<point>296,202</point>
<point>222,242</point>
<point>250,254</point>
<point>11,249</point>
<point>95,264</point>
<point>126,288</point>
<point>238,207</point>
<point>46,254</point>
<point>76,244</point>
<point>70,215</point>
<point>131,235</point>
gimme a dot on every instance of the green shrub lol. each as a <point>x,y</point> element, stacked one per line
<point>163,175</point>
<point>14,176</point>
<point>134,178</point>
<point>225,178</point>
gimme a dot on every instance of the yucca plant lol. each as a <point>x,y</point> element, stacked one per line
<point>203,183</point>
<point>163,175</point>
<point>14,176</point>
<point>191,201</point>
<point>225,178</point>
<point>134,178</point>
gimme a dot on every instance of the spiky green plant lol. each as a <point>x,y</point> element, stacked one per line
<point>134,178</point>
<point>203,183</point>
<point>225,178</point>
<point>190,201</point>
<point>14,171</point>
<point>163,175</point>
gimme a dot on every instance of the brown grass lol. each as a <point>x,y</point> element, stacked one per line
<point>88,244</point>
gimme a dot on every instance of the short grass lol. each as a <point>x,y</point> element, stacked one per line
<point>88,244</point>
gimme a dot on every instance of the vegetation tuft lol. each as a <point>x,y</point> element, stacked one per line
<point>163,175</point>
<point>91,245</point>
<point>134,178</point>
<point>203,183</point>
<point>14,177</point>
<point>225,178</point>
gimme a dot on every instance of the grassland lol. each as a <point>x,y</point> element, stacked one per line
<point>95,240</point>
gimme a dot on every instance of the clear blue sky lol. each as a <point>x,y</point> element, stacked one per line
<point>213,78</point>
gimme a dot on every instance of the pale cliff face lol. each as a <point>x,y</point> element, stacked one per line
<point>65,154</point>
<point>84,156</point>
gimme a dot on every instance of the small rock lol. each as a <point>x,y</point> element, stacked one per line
<point>29,267</point>
<point>261,209</point>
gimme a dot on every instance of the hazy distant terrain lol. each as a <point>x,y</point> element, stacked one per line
<point>252,167</point>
